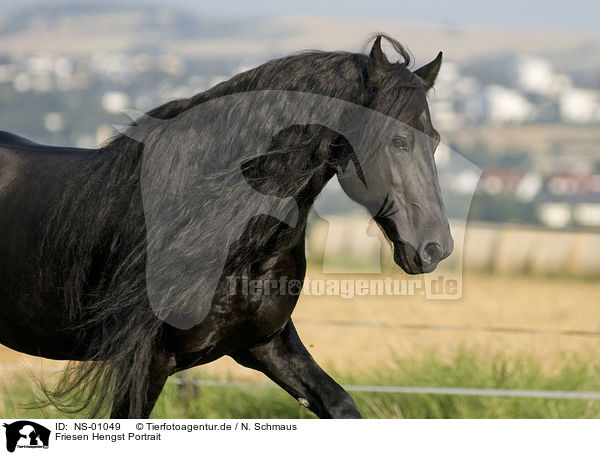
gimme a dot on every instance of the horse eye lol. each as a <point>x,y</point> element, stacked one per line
<point>400,143</point>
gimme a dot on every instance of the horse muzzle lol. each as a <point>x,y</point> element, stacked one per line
<point>417,261</point>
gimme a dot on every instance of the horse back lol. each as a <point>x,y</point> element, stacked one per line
<point>33,179</point>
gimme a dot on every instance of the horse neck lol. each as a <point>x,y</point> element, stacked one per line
<point>312,192</point>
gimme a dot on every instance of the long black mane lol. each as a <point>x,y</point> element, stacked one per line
<point>105,287</point>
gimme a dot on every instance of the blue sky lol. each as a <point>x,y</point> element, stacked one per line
<point>572,14</point>
<point>550,14</point>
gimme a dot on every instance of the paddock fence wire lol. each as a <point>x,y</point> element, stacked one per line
<point>399,389</point>
<point>449,327</point>
<point>379,389</point>
<point>547,394</point>
<point>457,391</point>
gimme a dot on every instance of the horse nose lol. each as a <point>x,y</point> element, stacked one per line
<point>430,253</point>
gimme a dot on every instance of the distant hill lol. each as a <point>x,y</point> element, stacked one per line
<point>81,28</point>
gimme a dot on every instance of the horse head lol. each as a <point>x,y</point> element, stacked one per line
<point>398,182</point>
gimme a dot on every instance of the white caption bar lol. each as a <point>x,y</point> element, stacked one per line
<point>290,437</point>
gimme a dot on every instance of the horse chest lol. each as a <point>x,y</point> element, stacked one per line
<point>247,309</point>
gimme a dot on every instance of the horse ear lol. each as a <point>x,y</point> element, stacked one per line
<point>378,65</point>
<point>429,72</point>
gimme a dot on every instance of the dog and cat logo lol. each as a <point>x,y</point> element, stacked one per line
<point>24,434</point>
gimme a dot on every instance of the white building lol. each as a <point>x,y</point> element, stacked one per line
<point>579,106</point>
<point>587,214</point>
<point>500,105</point>
<point>536,75</point>
<point>556,215</point>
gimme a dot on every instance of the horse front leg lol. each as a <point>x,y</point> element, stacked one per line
<point>286,361</point>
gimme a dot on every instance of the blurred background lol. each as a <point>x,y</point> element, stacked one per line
<point>518,96</point>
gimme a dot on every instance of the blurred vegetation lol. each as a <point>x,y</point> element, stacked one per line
<point>481,155</point>
<point>466,369</point>
<point>501,209</point>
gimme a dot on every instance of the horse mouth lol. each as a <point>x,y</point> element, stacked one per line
<point>408,259</point>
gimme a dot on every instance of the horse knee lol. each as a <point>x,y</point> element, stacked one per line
<point>335,406</point>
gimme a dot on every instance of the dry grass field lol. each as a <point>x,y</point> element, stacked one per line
<point>347,334</point>
<point>553,305</point>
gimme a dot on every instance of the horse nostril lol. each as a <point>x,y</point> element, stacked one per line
<point>431,253</point>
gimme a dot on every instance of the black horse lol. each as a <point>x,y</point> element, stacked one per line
<point>75,236</point>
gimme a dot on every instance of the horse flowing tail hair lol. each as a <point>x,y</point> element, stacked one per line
<point>99,230</point>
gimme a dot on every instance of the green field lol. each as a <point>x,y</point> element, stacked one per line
<point>466,369</point>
